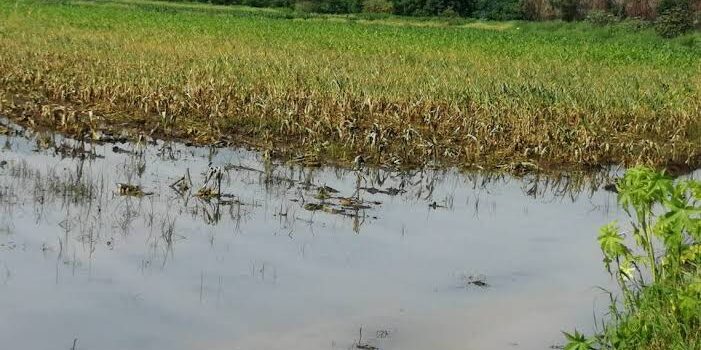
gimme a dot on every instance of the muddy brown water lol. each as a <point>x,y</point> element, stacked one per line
<point>451,261</point>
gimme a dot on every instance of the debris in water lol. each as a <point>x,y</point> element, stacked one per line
<point>207,193</point>
<point>78,151</point>
<point>183,184</point>
<point>472,280</point>
<point>310,160</point>
<point>391,191</point>
<point>364,346</point>
<point>612,187</point>
<point>332,210</point>
<point>435,205</point>
<point>322,194</point>
<point>520,168</point>
<point>328,189</point>
<point>314,206</point>
<point>119,150</point>
<point>131,190</point>
<point>352,203</point>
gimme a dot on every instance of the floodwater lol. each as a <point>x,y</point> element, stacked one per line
<point>423,260</point>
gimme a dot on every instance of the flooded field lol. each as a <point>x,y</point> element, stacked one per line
<point>157,245</point>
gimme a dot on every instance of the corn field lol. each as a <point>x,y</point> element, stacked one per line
<point>327,90</point>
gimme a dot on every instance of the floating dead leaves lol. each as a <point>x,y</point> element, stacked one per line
<point>310,160</point>
<point>346,206</point>
<point>391,191</point>
<point>44,141</point>
<point>65,148</point>
<point>131,190</point>
<point>211,189</point>
<point>325,192</point>
<point>313,206</point>
<point>366,347</point>
<point>324,207</point>
<point>120,150</point>
<point>76,151</point>
<point>208,191</point>
<point>520,168</point>
<point>183,184</point>
<point>4,130</point>
<point>434,205</point>
<point>106,136</point>
<point>473,280</point>
<point>611,187</point>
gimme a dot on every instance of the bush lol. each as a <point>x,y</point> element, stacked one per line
<point>378,6</point>
<point>636,24</point>
<point>675,21</point>
<point>449,13</point>
<point>570,10</point>
<point>501,10</point>
<point>328,6</point>
<point>535,10</point>
<point>463,8</point>
<point>305,6</point>
<point>666,5</point>
<point>601,18</point>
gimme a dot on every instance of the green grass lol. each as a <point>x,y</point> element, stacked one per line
<point>397,91</point>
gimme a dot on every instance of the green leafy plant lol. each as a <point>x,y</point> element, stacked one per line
<point>657,266</point>
<point>577,341</point>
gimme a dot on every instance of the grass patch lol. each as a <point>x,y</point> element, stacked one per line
<point>396,91</point>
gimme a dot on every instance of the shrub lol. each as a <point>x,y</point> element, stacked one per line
<point>463,8</point>
<point>635,24</point>
<point>666,5</point>
<point>502,10</point>
<point>675,21</point>
<point>570,10</point>
<point>305,6</point>
<point>378,6</point>
<point>449,13</point>
<point>601,18</point>
<point>537,10</point>
<point>328,6</point>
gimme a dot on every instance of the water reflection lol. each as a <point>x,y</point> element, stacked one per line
<point>277,256</point>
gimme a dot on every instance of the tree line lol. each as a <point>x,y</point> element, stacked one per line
<point>485,9</point>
